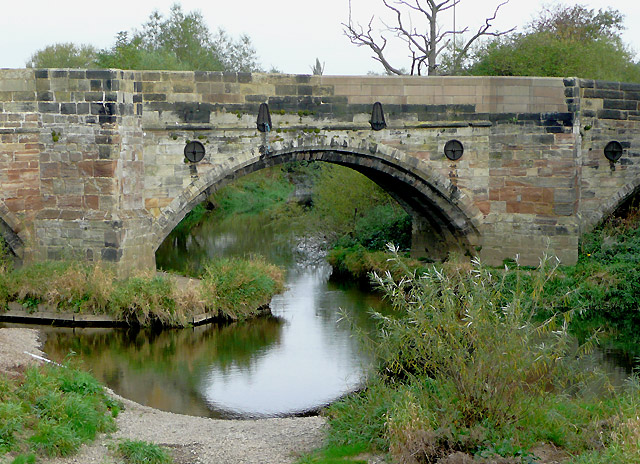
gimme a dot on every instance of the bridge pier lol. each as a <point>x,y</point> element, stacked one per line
<point>435,244</point>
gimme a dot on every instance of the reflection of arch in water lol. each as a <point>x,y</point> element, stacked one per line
<point>444,218</point>
<point>165,369</point>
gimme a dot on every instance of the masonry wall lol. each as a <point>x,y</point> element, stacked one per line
<point>610,111</point>
<point>73,176</point>
<point>518,172</point>
<point>92,162</point>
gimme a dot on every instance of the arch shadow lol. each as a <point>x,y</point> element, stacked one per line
<point>612,205</point>
<point>9,224</point>
<point>424,193</point>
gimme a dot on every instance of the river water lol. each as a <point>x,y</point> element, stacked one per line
<point>301,358</point>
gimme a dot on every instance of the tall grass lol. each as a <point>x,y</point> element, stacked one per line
<point>51,411</point>
<point>237,287</point>
<point>470,366</point>
<point>228,289</point>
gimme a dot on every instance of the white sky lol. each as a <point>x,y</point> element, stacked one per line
<point>287,34</point>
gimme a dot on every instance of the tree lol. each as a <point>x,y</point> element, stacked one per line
<point>425,42</point>
<point>64,55</point>
<point>129,53</point>
<point>180,41</point>
<point>236,55</point>
<point>578,23</point>
<point>562,41</point>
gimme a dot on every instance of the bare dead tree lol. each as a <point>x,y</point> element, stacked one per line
<point>424,43</point>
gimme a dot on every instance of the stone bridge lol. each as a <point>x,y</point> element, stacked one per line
<point>93,166</point>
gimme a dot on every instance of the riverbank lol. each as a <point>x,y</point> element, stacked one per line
<point>90,294</point>
<point>603,286</point>
<point>189,439</point>
<point>456,377</point>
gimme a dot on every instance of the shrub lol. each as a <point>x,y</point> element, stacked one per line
<point>237,287</point>
<point>464,365</point>
<point>359,263</point>
<point>378,226</point>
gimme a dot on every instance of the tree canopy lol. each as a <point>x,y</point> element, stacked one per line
<point>180,41</point>
<point>64,55</point>
<point>562,41</point>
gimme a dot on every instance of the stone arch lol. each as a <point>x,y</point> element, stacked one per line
<point>421,190</point>
<point>12,231</point>
<point>610,205</point>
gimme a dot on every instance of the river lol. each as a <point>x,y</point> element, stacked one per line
<point>304,356</point>
<point>301,358</point>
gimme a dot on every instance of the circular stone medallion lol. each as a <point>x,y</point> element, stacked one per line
<point>613,151</point>
<point>453,150</point>
<point>194,151</point>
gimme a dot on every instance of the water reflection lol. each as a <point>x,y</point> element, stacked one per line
<point>164,369</point>
<point>297,360</point>
<point>316,361</point>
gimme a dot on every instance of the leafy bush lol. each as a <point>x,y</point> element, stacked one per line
<point>379,226</point>
<point>359,263</point>
<point>606,281</point>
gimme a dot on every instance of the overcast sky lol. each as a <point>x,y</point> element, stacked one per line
<point>287,34</point>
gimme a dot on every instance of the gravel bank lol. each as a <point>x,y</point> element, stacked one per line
<point>194,440</point>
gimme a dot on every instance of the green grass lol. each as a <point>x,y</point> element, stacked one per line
<point>141,452</point>
<point>51,411</point>
<point>336,455</point>
<point>146,298</point>
<point>253,194</point>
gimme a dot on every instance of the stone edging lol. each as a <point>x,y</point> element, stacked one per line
<point>49,315</point>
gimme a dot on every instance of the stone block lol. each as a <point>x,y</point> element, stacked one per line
<point>564,209</point>
<point>286,89</point>
<point>101,74</point>
<point>620,104</point>
<point>48,107</point>
<point>611,114</point>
